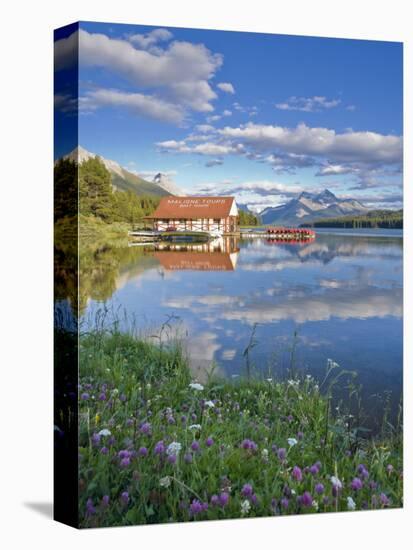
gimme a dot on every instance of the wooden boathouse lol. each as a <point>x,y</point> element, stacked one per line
<point>214,214</point>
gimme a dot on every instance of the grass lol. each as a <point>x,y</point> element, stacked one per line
<point>155,448</point>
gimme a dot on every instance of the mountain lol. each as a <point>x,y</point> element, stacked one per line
<point>163,181</point>
<point>122,179</point>
<point>310,206</point>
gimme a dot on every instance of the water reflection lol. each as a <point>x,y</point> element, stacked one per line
<point>342,294</point>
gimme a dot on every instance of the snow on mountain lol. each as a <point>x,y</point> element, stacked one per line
<point>310,206</point>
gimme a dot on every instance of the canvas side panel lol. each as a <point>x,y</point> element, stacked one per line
<point>66,291</point>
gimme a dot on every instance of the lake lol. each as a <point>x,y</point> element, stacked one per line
<point>339,297</point>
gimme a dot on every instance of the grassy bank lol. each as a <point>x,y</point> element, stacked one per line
<point>156,446</point>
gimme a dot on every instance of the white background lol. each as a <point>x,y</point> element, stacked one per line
<point>26,270</point>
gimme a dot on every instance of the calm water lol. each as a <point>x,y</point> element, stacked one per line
<point>340,294</point>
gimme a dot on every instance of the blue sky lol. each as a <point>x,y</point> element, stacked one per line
<point>256,115</point>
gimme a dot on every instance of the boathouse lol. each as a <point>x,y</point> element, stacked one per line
<point>196,214</point>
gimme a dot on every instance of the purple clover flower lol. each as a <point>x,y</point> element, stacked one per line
<point>282,453</point>
<point>195,446</point>
<point>124,497</point>
<point>297,473</point>
<point>159,448</point>
<point>209,442</point>
<point>146,428</point>
<point>223,499</point>
<point>356,484</point>
<point>90,509</point>
<point>188,458</point>
<point>247,490</point>
<point>196,507</point>
<point>105,501</point>
<point>284,503</point>
<point>143,451</point>
<point>384,500</point>
<point>85,396</point>
<point>306,499</point>
<point>319,488</point>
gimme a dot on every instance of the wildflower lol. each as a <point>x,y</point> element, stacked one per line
<point>319,488</point>
<point>314,469</point>
<point>95,439</point>
<point>105,501</point>
<point>284,502</point>
<point>223,499</point>
<point>124,497</point>
<point>146,428</point>
<point>362,471</point>
<point>125,462</point>
<point>282,453</point>
<point>195,507</point>
<point>247,490</point>
<point>173,448</point>
<point>159,448</point>
<point>172,459</point>
<point>124,453</point>
<point>336,482</point>
<point>129,422</point>
<point>188,458</point>
<point>165,481</point>
<point>389,468</point>
<point>264,454</point>
<point>248,444</point>
<point>90,509</point>
<point>104,450</point>
<point>196,386</point>
<point>102,396</point>
<point>209,442</point>
<point>245,507</point>
<point>351,505</point>
<point>356,484</point>
<point>215,500</point>
<point>254,499</point>
<point>104,433</point>
<point>85,396</point>
<point>300,436</point>
<point>195,446</point>
<point>297,474</point>
<point>315,505</point>
<point>209,404</point>
<point>292,441</point>
<point>195,427</point>
<point>384,499</point>
<point>306,499</point>
<point>143,451</point>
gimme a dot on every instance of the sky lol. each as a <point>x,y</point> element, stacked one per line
<point>259,116</point>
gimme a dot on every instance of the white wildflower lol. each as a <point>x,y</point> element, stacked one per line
<point>315,505</point>
<point>245,507</point>
<point>195,427</point>
<point>165,481</point>
<point>292,441</point>
<point>336,482</point>
<point>105,432</point>
<point>269,380</point>
<point>209,404</point>
<point>264,454</point>
<point>173,448</point>
<point>293,492</point>
<point>196,386</point>
<point>351,505</point>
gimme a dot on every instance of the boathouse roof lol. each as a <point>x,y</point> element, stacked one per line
<point>194,208</point>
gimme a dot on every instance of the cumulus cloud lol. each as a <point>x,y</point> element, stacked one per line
<point>226,87</point>
<point>180,73</point>
<point>141,104</point>
<point>148,40</point>
<point>307,104</point>
<point>320,142</point>
<point>65,103</point>
<point>208,148</point>
<point>336,170</point>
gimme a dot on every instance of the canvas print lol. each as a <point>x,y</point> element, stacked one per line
<point>228,275</point>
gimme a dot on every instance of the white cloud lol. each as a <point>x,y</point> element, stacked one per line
<point>204,128</point>
<point>145,41</point>
<point>336,170</point>
<point>180,72</point>
<point>307,104</point>
<point>226,87</point>
<point>320,142</point>
<point>227,112</point>
<point>207,148</point>
<point>144,105</point>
